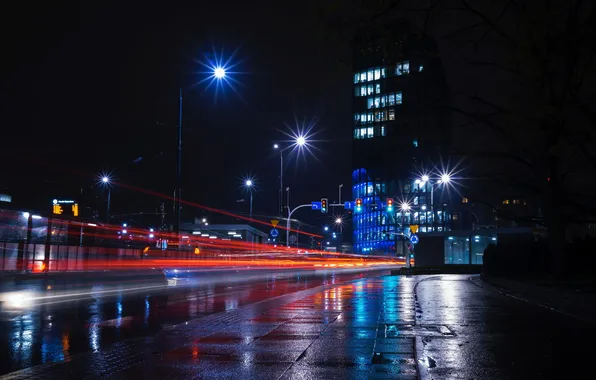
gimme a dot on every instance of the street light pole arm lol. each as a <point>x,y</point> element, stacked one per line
<point>290,212</point>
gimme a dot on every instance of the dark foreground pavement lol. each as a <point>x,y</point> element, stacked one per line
<point>386,327</point>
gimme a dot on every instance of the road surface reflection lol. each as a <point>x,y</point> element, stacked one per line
<point>56,331</point>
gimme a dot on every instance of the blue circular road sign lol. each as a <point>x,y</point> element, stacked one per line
<point>414,239</point>
<point>274,232</point>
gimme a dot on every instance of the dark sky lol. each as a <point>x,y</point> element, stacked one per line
<point>87,85</point>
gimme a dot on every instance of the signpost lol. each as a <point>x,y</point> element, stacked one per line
<point>274,222</point>
<point>349,205</point>
<point>315,205</point>
<point>414,228</point>
<point>274,233</point>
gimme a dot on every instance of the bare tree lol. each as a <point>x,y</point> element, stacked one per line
<point>526,94</point>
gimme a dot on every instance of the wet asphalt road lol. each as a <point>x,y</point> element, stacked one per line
<point>333,326</point>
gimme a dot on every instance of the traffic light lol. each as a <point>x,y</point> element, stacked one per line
<point>389,204</point>
<point>324,205</point>
<point>358,206</point>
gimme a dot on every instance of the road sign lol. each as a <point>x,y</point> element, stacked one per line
<point>414,239</point>
<point>274,233</point>
<point>315,205</point>
<point>274,222</point>
<point>414,228</point>
<point>349,205</point>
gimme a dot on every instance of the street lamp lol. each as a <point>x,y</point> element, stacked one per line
<point>444,179</point>
<point>299,141</point>
<point>106,181</point>
<point>219,73</point>
<point>248,184</point>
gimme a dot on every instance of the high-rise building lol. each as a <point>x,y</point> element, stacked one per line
<point>401,132</point>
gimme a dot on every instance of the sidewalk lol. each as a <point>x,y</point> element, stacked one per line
<point>575,303</point>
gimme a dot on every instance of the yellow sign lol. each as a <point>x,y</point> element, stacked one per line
<point>57,210</point>
<point>414,228</point>
<point>274,222</point>
<point>75,209</point>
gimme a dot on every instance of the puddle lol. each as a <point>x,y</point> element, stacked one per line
<point>428,362</point>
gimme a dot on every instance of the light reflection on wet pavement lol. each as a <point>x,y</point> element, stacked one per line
<point>50,333</point>
<point>386,327</point>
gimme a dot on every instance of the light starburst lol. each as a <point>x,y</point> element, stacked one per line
<point>220,71</point>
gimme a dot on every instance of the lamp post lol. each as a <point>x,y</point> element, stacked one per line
<point>218,73</point>
<point>444,179</point>
<point>299,142</point>
<point>105,180</point>
<point>339,221</point>
<point>249,184</point>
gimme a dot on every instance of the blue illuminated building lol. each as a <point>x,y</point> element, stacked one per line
<point>401,131</point>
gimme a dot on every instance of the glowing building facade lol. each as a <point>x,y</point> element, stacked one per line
<point>401,131</point>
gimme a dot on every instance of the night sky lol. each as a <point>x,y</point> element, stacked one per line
<point>88,90</point>
<point>88,86</point>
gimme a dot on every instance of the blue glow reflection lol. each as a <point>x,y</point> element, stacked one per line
<point>147,312</point>
<point>94,333</point>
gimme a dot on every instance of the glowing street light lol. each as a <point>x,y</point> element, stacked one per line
<point>338,221</point>
<point>299,141</point>
<point>445,178</point>
<point>405,206</point>
<point>425,178</point>
<point>248,184</point>
<point>219,72</point>
<point>105,180</point>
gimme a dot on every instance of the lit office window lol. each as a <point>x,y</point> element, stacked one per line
<point>377,74</point>
<point>398,98</point>
<point>383,133</point>
<point>391,114</point>
<point>370,103</point>
<point>356,78</point>
<point>420,68</point>
<point>371,74</point>
<point>370,89</point>
<point>402,68</point>
<point>363,76</point>
<point>391,99</point>
<point>415,143</point>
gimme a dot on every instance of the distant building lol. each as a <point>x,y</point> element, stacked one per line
<point>401,130</point>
